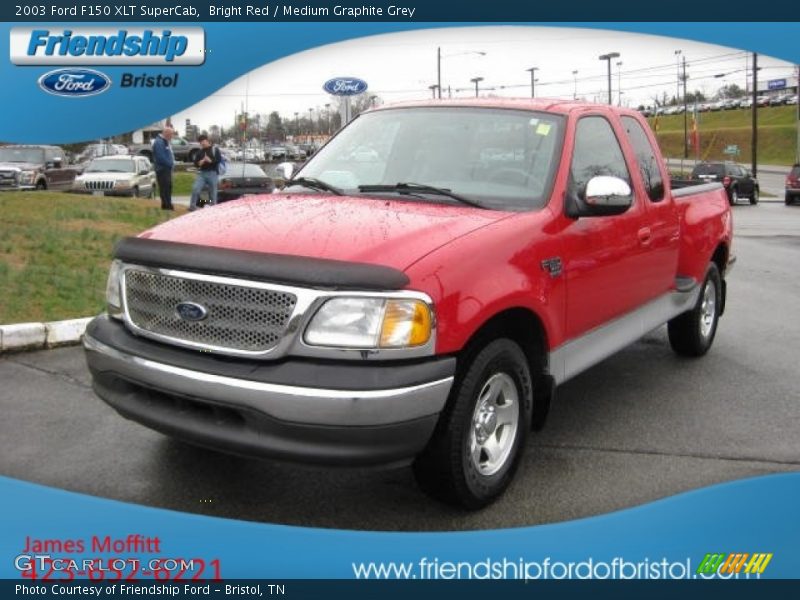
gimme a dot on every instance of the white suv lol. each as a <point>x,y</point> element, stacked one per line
<point>120,175</point>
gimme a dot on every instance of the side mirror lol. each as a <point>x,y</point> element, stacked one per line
<point>604,196</point>
<point>286,170</point>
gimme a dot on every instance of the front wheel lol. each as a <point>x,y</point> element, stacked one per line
<point>476,448</point>
<point>692,333</point>
<point>754,196</point>
<point>734,196</point>
<point>787,199</point>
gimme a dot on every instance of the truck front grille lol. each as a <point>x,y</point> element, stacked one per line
<point>238,317</point>
<point>99,185</point>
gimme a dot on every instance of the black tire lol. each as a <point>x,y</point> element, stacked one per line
<point>135,192</point>
<point>447,468</point>
<point>754,196</point>
<point>788,200</point>
<point>693,332</point>
<point>734,196</point>
<point>153,190</point>
<point>41,184</point>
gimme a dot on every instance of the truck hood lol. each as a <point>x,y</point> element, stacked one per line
<point>105,176</point>
<point>389,232</point>
<point>15,166</point>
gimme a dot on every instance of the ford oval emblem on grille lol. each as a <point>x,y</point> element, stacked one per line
<point>190,311</point>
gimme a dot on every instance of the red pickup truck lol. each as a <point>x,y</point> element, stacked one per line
<point>417,291</point>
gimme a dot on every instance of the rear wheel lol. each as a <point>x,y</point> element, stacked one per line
<point>476,448</point>
<point>692,333</point>
<point>787,199</point>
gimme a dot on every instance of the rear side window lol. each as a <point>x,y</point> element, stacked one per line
<point>646,157</point>
<point>597,152</point>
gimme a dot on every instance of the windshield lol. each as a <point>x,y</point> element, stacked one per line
<point>22,155</point>
<point>502,159</point>
<point>113,165</point>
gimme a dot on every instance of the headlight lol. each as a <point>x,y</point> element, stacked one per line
<point>27,177</point>
<point>122,184</point>
<point>370,323</point>
<point>113,297</point>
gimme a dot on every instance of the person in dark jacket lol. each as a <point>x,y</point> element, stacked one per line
<point>207,163</point>
<point>163,163</point>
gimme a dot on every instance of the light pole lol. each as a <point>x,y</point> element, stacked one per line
<point>678,71</point>
<point>754,115</point>
<point>685,116</point>
<point>440,56</point>
<point>296,124</point>
<point>532,71</point>
<point>575,89</point>
<point>328,117</point>
<point>607,58</point>
<point>619,81</point>
<point>476,81</point>
<point>433,89</point>
<point>310,121</point>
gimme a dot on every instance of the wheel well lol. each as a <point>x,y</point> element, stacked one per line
<point>525,328</point>
<point>720,258</point>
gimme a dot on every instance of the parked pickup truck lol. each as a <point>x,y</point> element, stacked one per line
<point>182,149</point>
<point>419,303</point>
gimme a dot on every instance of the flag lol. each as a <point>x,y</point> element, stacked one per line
<point>695,133</point>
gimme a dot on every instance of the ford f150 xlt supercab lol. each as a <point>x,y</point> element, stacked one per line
<point>418,302</point>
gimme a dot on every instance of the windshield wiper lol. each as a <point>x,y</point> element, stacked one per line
<point>419,188</point>
<point>315,184</point>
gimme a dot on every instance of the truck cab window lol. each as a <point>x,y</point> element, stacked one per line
<point>597,152</point>
<point>646,157</point>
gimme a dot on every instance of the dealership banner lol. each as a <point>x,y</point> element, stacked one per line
<point>77,73</point>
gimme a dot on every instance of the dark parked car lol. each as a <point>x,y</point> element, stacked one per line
<point>35,167</point>
<point>183,150</point>
<point>243,179</point>
<point>738,181</point>
<point>793,185</point>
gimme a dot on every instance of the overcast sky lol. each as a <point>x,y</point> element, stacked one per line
<point>401,66</point>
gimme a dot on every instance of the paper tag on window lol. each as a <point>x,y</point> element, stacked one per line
<point>543,129</point>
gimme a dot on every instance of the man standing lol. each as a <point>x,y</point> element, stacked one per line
<point>207,164</point>
<point>164,162</point>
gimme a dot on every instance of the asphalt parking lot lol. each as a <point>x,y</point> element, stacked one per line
<point>640,426</point>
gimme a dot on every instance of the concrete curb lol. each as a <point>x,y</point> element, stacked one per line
<point>34,336</point>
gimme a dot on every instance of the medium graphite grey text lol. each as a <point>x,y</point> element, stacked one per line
<point>278,11</point>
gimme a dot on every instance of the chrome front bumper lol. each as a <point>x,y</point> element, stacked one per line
<point>294,422</point>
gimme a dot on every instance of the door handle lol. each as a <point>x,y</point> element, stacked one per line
<point>645,235</point>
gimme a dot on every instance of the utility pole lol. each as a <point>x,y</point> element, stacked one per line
<point>685,116</point>
<point>532,71</point>
<point>754,136</point>
<point>439,71</point>
<point>797,91</point>
<point>619,81</point>
<point>607,58</point>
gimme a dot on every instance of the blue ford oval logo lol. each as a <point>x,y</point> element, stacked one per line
<point>75,83</point>
<point>191,311</point>
<point>345,86</point>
